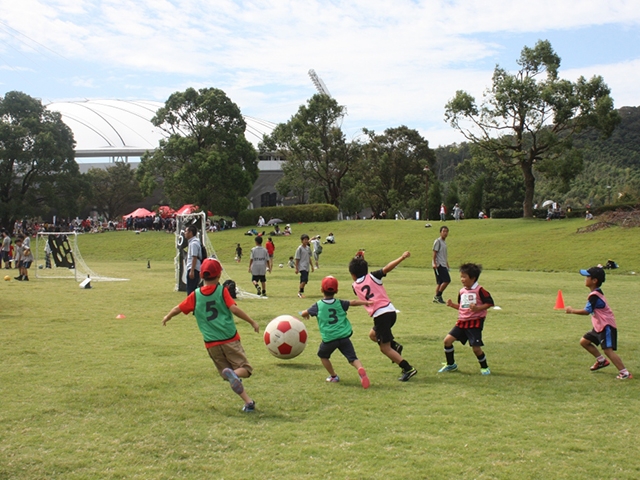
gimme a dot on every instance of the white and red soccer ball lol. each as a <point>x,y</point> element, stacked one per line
<point>285,337</point>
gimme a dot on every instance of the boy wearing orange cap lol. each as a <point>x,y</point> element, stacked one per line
<point>335,329</point>
<point>221,339</point>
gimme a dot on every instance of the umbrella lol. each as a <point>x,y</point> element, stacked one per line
<point>189,208</point>
<point>274,221</point>
<point>547,203</point>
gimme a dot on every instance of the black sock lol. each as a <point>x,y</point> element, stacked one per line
<point>483,361</point>
<point>394,345</point>
<point>404,365</point>
<point>449,353</point>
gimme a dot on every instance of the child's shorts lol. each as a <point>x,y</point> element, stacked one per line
<point>26,264</point>
<point>229,355</point>
<point>343,344</point>
<point>304,276</point>
<point>473,335</point>
<point>382,325</point>
<point>607,338</point>
<point>258,278</point>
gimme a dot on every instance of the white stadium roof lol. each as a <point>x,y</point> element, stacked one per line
<point>123,128</point>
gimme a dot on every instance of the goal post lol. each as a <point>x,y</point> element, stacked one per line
<point>199,220</point>
<point>57,255</point>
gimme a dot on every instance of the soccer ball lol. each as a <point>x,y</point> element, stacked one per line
<point>281,265</point>
<point>285,337</point>
<point>7,278</point>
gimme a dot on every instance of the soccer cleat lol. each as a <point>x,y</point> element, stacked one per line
<point>599,365</point>
<point>264,293</point>
<point>407,375</point>
<point>234,381</point>
<point>438,299</point>
<point>448,368</point>
<point>333,379</point>
<point>485,371</point>
<point>18,278</point>
<point>364,380</point>
<point>300,295</point>
<point>258,289</point>
<point>624,376</point>
<point>249,407</point>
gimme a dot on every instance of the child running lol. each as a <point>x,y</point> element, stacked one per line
<point>368,287</point>
<point>472,306</point>
<point>335,329</point>
<point>604,332</point>
<point>221,339</point>
<point>303,263</point>
<point>238,253</point>
<point>258,267</point>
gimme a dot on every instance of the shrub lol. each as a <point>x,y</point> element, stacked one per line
<point>317,212</point>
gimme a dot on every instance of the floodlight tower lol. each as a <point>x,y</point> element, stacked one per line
<point>317,81</point>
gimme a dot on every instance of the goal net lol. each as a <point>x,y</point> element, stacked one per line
<point>57,255</point>
<point>199,220</point>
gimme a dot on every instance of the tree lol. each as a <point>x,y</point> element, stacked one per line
<point>113,190</point>
<point>392,173</point>
<point>206,159</point>
<point>38,170</point>
<point>314,147</point>
<point>535,115</point>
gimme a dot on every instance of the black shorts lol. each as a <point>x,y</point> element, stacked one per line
<point>442,275</point>
<point>382,325</point>
<point>473,335</point>
<point>5,256</point>
<point>343,344</point>
<point>607,338</point>
<point>258,278</point>
<point>304,276</point>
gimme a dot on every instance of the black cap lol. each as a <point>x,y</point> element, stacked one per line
<point>594,272</point>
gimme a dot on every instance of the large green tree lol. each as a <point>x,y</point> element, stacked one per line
<point>529,118</point>
<point>113,190</point>
<point>206,158</point>
<point>38,171</point>
<point>316,152</point>
<point>392,172</point>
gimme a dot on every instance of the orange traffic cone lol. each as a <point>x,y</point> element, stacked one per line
<point>559,301</point>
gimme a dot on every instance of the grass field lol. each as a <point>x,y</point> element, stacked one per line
<point>85,395</point>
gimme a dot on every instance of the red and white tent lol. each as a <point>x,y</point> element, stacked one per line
<point>190,208</point>
<point>139,213</point>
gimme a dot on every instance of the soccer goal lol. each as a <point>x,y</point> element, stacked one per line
<point>200,221</point>
<point>57,255</point>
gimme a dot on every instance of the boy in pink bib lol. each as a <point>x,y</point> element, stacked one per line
<point>605,331</point>
<point>368,288</point>
<point>472,306</point>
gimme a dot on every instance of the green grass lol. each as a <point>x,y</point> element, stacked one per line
<point>84,395</point>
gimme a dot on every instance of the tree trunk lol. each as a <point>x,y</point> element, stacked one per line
<point>529,188</point>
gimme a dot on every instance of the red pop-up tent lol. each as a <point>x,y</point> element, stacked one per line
<point>139,213</point>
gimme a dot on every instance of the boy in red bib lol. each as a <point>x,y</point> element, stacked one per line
<point>604,332</point>
<point>472,306</point>
<point>221,339</point>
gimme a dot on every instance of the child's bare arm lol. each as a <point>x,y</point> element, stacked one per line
<point>172,313</point>
<point>393,264</point>
<point>576,311</point>
<point>238,312</point>
<point>479,308</point>
<point>359,303</point>
<point>453,305</point>
<point>305,314</point>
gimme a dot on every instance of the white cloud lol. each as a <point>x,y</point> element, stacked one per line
<point>391,63</point>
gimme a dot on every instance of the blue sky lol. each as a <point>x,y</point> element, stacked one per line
<point>389,62</point>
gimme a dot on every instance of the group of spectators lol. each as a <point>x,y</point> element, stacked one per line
<point>17,256</point>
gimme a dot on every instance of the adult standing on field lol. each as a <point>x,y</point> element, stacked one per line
<point>194,258</point>
<point>440,264</point>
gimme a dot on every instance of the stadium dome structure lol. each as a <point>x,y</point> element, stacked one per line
<point>119,129</point>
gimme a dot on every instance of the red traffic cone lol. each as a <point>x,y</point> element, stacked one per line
<point>559,301</point>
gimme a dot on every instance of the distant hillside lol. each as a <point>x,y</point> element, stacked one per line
<point>611,166</point>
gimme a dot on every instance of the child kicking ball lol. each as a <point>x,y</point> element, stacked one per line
<point>335,329</point>
<point>221,339</point>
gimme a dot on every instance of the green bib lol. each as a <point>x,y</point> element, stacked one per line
<point>214,318</point>
<point>332,321</point>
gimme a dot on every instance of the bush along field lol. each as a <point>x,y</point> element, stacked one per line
<point>88,395</point>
